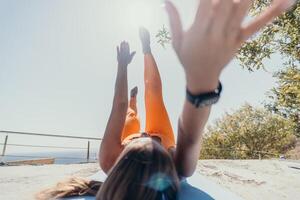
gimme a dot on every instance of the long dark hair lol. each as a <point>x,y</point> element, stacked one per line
<point>71,187</point>
<point>144,170</point>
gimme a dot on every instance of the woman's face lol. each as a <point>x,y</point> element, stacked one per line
<point>144,137</point>
<point>155,141</point>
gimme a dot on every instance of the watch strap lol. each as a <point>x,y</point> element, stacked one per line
<point>204,99</point>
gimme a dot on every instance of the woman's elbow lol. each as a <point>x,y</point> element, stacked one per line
<point>187,172</point>
<point>185,167</point>
<point>104,165</point>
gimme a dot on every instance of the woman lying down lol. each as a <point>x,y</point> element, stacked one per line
<point>147,164</point>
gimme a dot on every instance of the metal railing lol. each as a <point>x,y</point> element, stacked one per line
<point>88,147</point>
<point>6,143</point>
<point>49,135</point>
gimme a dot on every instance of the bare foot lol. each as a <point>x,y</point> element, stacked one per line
<point>145,39</point>
<point>134,92</point>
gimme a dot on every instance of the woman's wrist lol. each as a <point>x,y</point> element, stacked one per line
<point>122,66</point>
<point>202,83</point>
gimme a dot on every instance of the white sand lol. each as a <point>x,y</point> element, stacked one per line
<point>22,182</point>
<point>255,180</point>
<point>251,180</point>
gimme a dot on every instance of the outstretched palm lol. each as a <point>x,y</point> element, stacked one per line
<point>124,55</point>
<point>216,34</point>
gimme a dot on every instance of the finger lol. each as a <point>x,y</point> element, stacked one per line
<point>122,46</point>
<point>175,24</point>
<point>132,55</point>
<point>118,50</point>
<point>126,47</point>
<point>283,5</point>
<point>276,8</point>
<point>204,10</point>
<point>239,12</point>
<point>223,11</point>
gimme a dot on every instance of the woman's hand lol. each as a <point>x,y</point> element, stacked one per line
<point>215,36</point>
<point>124,55</point>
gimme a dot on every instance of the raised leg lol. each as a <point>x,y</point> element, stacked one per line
<point>157,119</point>
<point>132,123</point>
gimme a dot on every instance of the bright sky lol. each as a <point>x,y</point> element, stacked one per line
<point>58,65</point>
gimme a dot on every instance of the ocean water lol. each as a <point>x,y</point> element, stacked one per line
<point>61,157</point>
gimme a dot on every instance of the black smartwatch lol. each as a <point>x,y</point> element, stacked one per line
<point>204,99</point>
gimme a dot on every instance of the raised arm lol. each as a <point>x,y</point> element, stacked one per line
<point>111,144</point>
<point>204,50</point>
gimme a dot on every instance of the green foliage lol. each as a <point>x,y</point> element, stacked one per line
<point>285,98</point>
<point>282,36</point>
<point>248,133</point>
<point>163,37</point>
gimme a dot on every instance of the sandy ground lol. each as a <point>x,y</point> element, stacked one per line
<point>22,182</point>
<point>255,180</point>
<point>267,179</point>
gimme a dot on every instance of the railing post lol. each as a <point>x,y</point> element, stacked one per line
<point>235,154</point>
<point>4,148</point>
<point>88,152</point>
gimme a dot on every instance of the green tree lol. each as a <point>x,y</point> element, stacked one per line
<point>163,37</point>
<point>282,37</point>
<point>248,133</point>
<point>285,98</point>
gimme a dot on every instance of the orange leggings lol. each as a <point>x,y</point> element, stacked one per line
<point>157,119</point>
